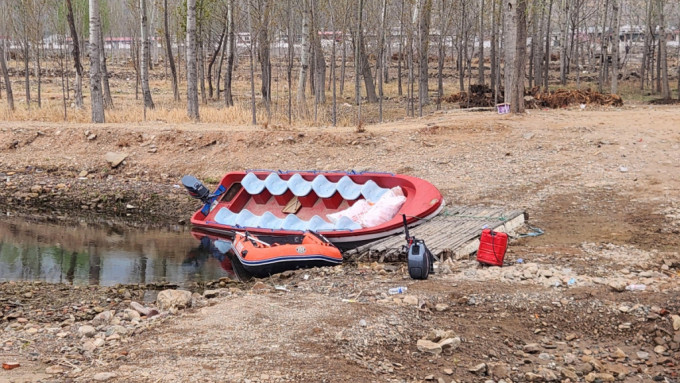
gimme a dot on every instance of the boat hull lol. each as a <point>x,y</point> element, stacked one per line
<point>256,201</point>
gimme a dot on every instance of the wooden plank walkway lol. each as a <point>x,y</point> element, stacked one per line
<point>454,233</point>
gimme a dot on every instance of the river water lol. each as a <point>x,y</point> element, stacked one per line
<point>105,255</point>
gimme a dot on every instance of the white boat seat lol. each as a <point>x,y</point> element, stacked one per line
<point>319,224</point>
<point>275,184</point>
<point>270,221</point>
<point>345,223</point>
<point>299,186</point>
<point>348,189</point>
<point>225,217</point>
<point>247,219</point>
<point>372,192</point>
<point>292,222</point>
<point>323,187</point>
<point>252,184</point>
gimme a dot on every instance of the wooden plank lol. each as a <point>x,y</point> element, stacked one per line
<point>453,232</point>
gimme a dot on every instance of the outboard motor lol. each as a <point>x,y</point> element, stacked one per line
<point>420,259</point>
<point>196,188</point>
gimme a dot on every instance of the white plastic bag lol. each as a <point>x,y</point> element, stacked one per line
<point>385,209</point>
<point>354,212</point>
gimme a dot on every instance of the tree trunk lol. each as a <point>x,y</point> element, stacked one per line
<point>494,46</point>
<point>564,29</point>
<point>96,97</point>
<point>231,46</point>
<point>440,61</point>
<point>264,47</point>
<point>76,56</point>
<point>365,69</point>
<point>357,60</point>
<point>381,59</point>
<point>603,51</point>
<point>192,73</point>
<point>251,52</point>
<point>400,59</point>
<point>146,91</point>
<point>5,76</point>
<point>289,68</point>
<point>106,89</point>
<point>663,61</point>
<point>27,81</point>
<point>168,47</point>
<point>649,32</point>
<point>38,75</point>
<point>481,42</point>
<point>615,48</point>
<point>424,17</point>
<point>546,65</point>
<point>212,62</point>
<point>334,114</point>
<point>319,60</point>
<point>304,60</point>
<point>515,53</point>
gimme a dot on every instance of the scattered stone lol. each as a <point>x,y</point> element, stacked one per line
<point>643,355</point>
<point>261,286</point>
<point>52,370</point>
<point>87,331</point>
<point>568,373</point>
<point>211,293</point>
<point>618,285</point>
<point>91,137</point>
<point>103,318</point>
<point>659,349</point>
<point>599,377</point>
<point>500,371</point>
<point>450,343</point>
<point>411,300</point>
<point>104,376</point>
<point>448,371</point>
<point>479,369</point>
<point>532,348</point>
<point>618,370</point>
<point>82,174</point>
<point>131,315</point>
<point>146,311</point>
<point>676,322</point>
<point>570,337</point>
<point>428,346</point>
<point>114,158</point>
<point>547,374</point>
<point>619,354</point>
<point>174,299</point>
<point>441,307</point>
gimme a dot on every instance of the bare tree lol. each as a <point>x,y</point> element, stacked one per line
<point>96,96</point>
<point>106,88</point>
<point>76,55</point>
<point>663,61</point>
<point>615,48</point>
<point>168,46</point>
<point>5,75</point>
<point>231,46</point>
<point>304,59</point>
<point>425,15</point>
<point>192,73</point>
<point>264,50</point>
<point>145,56</point>
<point>515,53</point>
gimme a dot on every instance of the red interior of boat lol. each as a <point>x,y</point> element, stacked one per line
<point>237,198</point>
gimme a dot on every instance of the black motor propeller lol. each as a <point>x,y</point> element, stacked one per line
<point>196,188</point>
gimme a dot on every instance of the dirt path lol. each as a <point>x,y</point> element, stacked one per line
<point>603,184</point>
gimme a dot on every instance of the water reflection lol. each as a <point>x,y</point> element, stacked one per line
<point>105,255</point>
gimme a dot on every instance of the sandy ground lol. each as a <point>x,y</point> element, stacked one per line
<point>603,184</point>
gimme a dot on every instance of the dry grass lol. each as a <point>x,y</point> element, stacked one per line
<point>129,109</point>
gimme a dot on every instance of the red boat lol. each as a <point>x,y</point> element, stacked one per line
<point>348,208</point>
